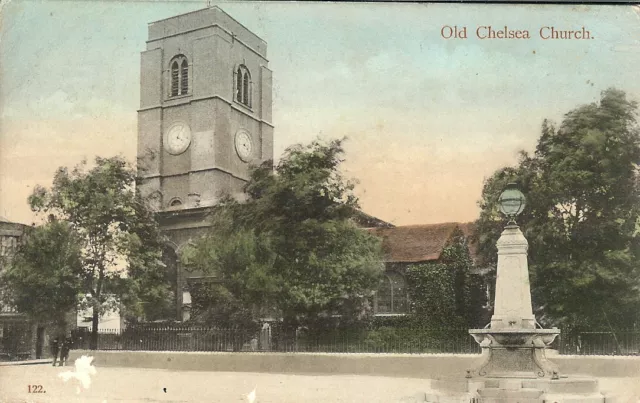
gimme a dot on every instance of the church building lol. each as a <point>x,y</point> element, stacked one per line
<point>205,115</point>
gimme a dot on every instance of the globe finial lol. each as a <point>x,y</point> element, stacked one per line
<point>511,202</point>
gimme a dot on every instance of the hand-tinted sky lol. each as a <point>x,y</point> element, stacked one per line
<point>427,118</point>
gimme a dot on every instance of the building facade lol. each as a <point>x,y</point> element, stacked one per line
<point>19,338</point>
<point>204,117</point>
<point>408,245</point>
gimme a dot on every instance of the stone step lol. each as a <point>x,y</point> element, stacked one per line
<point>574,398</point>
<point>446,398</point>
<point>566,385</point>
<point>511,395</point>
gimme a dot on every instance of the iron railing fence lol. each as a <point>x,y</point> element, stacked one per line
<point>381,340</point>
<point>608,342</point>
<point>166,339</point>
<point>15,340</point>
<point>385,340</point>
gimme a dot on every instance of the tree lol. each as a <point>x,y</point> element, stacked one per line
<point>43,279</point>
<point>115,231</point>
<point>582,215</point>
<point>292,245</point>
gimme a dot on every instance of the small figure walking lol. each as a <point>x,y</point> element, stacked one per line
<point>55,347</point>
<point>64,351</point>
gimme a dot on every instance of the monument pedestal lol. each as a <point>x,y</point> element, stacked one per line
<point>515,353</point>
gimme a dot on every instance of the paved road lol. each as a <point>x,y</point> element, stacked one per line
<point>148,385</point>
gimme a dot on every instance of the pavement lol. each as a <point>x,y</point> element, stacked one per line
<point>155,385</point>
<point>42,383</point>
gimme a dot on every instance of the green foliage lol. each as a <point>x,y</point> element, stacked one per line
<point>442,293</point>
<point>44,278</point>
<point>432,293</point>
<point>393,338</point>
<point>213,303</point>
<point>115,231</point>
<point>581,216</point>
<point>292,245</point>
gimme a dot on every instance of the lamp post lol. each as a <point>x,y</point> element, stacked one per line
<point>512,202</point>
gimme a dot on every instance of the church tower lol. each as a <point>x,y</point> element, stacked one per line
<point>204,117</point>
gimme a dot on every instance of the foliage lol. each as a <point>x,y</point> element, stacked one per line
<point>292,245</point>
<point>44,277</point>
<point>213,303</point>
<point>386,339</point>
<point>442,293</point>
<point>120,246</point>
<point>581,216</point>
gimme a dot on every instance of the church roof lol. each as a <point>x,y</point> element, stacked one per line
<point>365,220</point>
<point>419,243</point>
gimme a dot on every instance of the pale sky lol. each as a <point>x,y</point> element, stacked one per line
<point>427,118</point>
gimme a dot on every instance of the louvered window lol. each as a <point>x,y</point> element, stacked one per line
<point>239,85</point>
<point>243,86</point>
<point>245,89</point>
<point>179,76</point>
<point>184,77</point>
<point>175,78</point>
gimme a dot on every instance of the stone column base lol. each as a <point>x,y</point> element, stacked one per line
<point>514,353</point>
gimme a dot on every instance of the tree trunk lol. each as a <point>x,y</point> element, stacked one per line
<point>93,345</point>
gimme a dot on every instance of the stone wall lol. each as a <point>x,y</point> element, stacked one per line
<point>428,366</point>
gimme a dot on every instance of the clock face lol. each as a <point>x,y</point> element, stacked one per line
<point>244,145</point>
<point>177,138</point>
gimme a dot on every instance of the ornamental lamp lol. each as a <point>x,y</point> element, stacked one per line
<point>511,202</point>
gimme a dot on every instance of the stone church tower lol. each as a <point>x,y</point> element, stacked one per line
<point>204,117</point>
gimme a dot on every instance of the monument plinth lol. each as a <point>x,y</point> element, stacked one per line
<point>513,345</point>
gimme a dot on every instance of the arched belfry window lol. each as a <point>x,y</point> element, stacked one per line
<point>392,294</point>
<point>179,76</point>
<point>243,85</point>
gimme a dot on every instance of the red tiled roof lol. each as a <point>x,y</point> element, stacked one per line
<point>414,243</point>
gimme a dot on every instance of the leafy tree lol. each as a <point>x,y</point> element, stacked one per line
<point>43,278</point>
<point>115,232</point>
<point>292,244</point>
<point>240,260</point>
<point>582,215</point>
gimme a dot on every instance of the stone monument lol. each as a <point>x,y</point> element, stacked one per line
<point>513,367</point>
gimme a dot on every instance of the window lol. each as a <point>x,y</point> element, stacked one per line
<point>179,76</point>
<point>392,294</point>
<point>184,77</point>
<point>175,203</point>
<point>243,85</point>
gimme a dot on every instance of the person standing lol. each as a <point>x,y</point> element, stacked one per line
<point>55,347</point>
<point>64,351</point>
